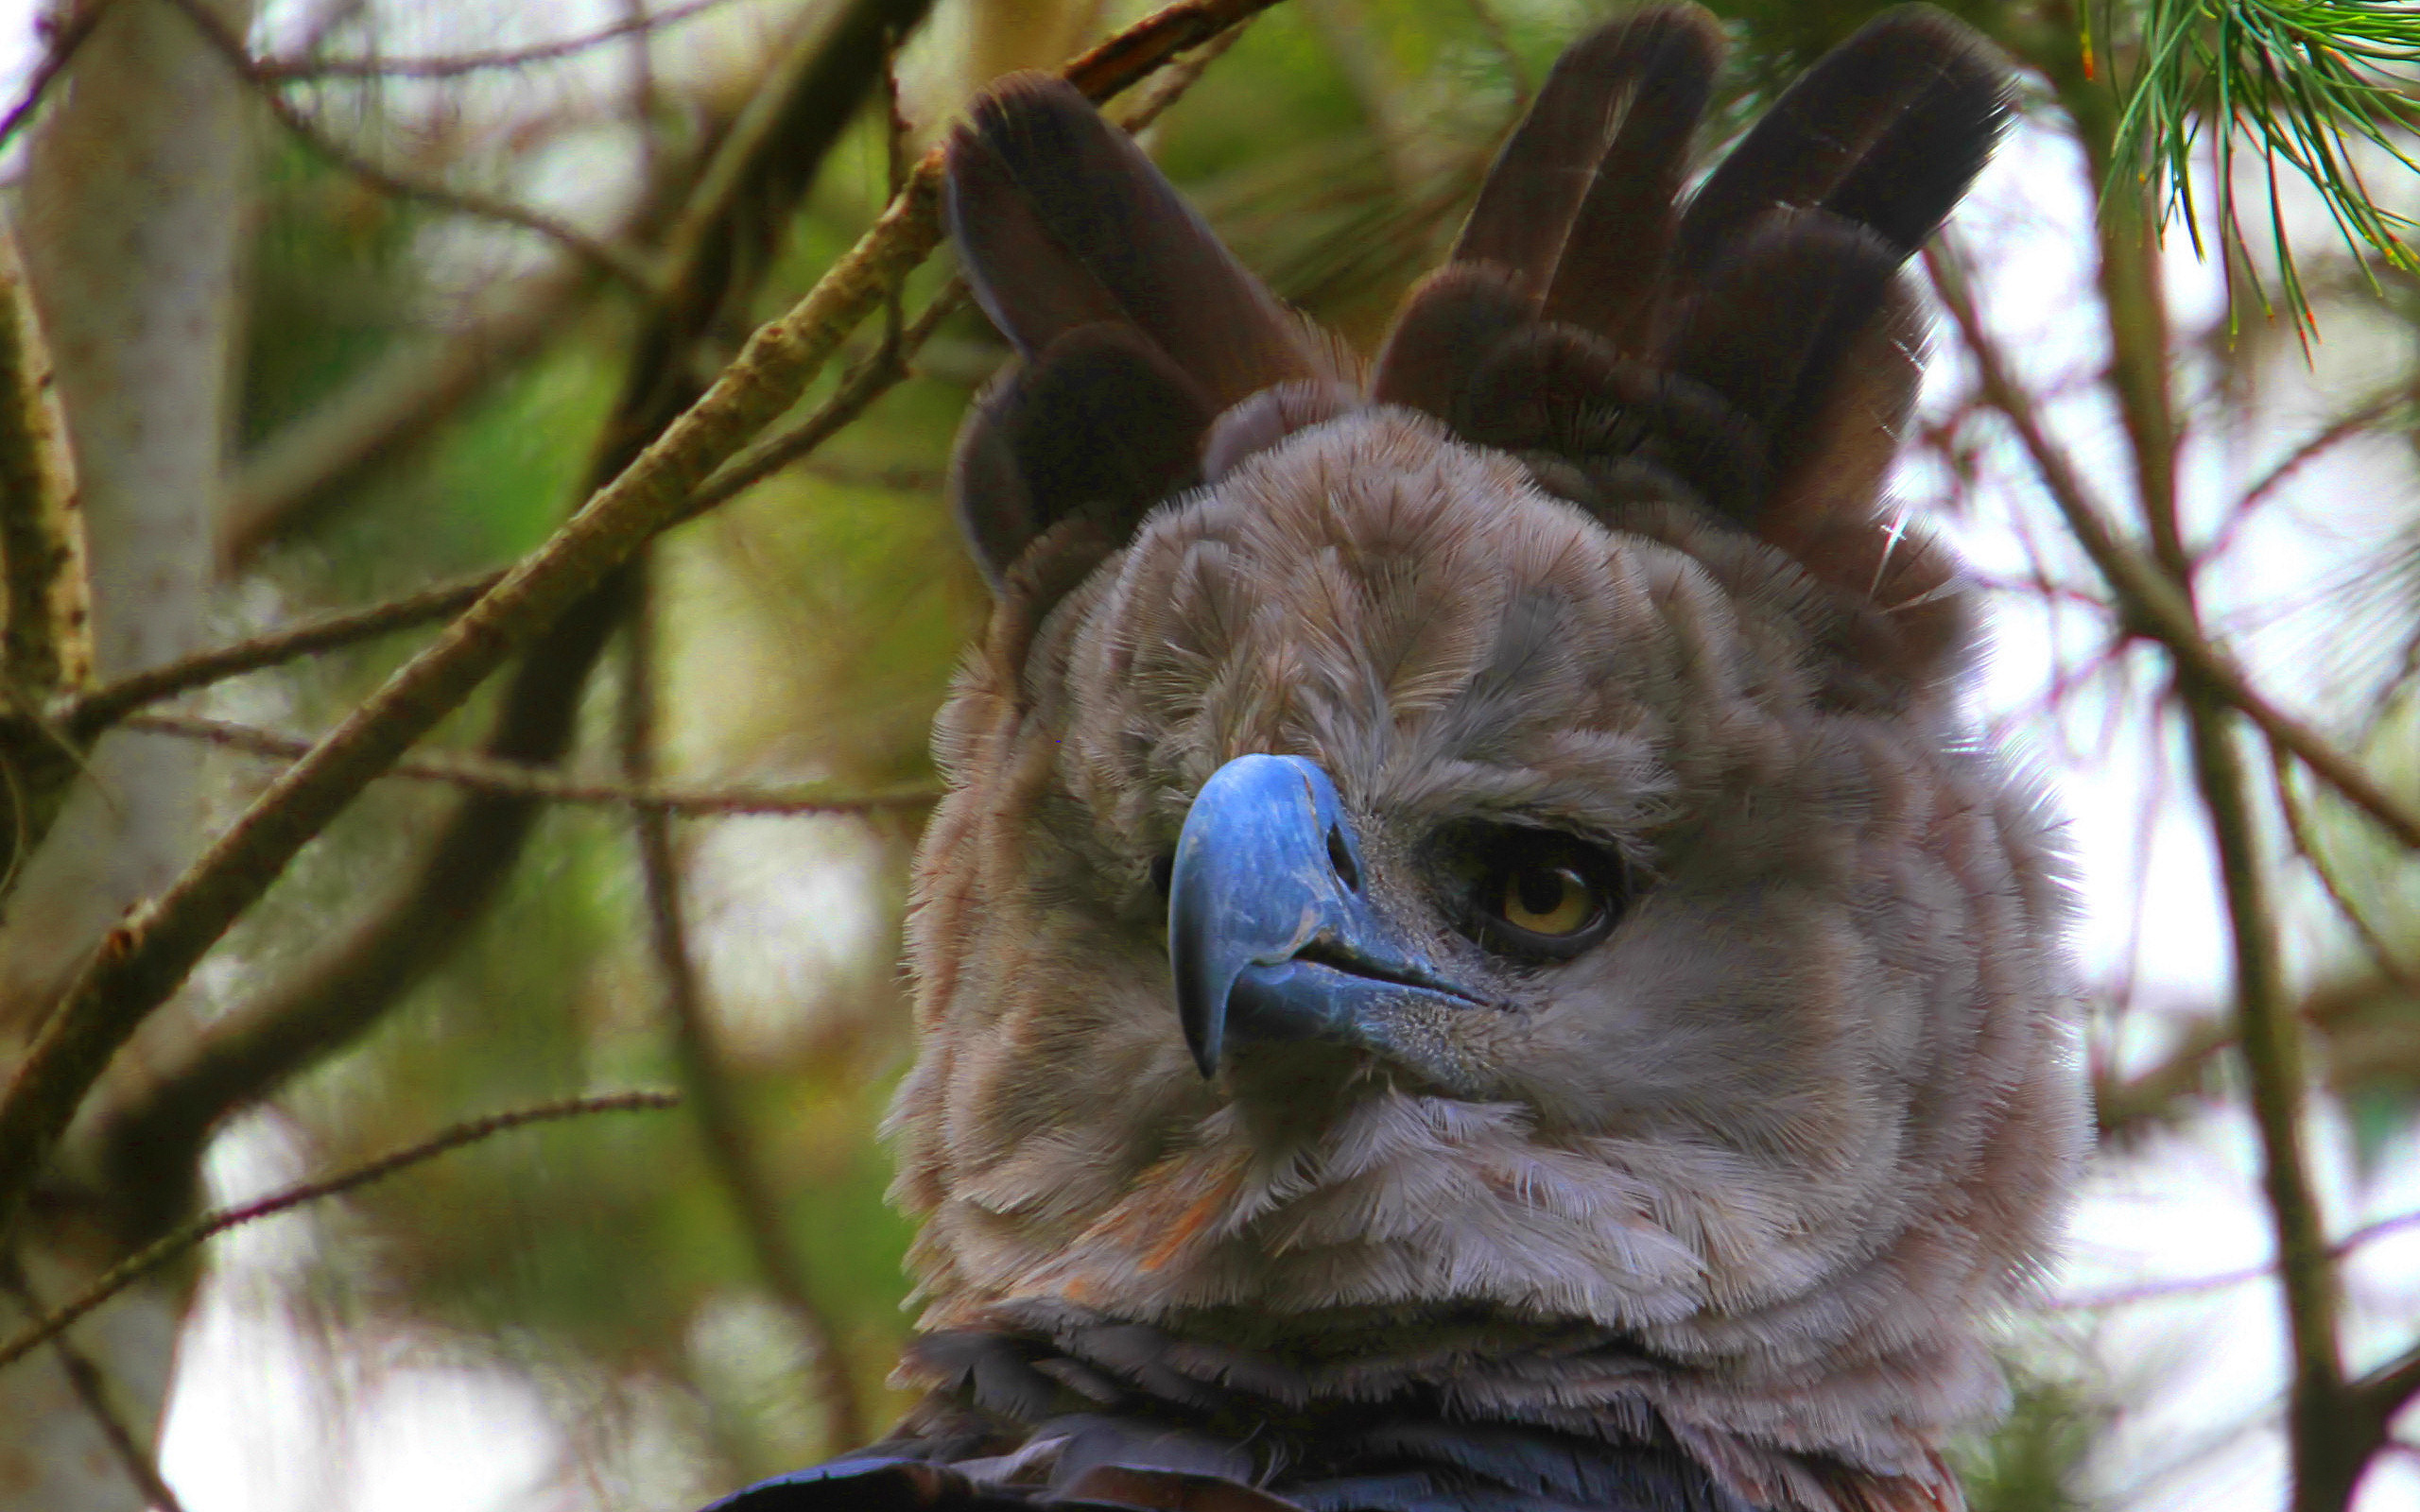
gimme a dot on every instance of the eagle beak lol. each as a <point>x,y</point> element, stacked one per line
<point>1271,932</point>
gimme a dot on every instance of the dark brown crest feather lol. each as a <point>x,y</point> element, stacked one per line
<point>1447,326</point>
<point>1888,130</point>
<point>1772,322</point>
<point>1063,221</point>
<point>1102,424</point>
<point>1604,146</point>
<point>1605,276</point>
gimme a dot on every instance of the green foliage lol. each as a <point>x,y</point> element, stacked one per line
<point>2306,83</point>
<point>2034,1461</point>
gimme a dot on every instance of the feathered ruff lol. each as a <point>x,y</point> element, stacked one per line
<point>1597,544</point>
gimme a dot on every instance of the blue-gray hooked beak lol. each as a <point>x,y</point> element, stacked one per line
<point>1271,935</point>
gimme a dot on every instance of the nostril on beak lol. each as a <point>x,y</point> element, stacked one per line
<point>1340,855</point>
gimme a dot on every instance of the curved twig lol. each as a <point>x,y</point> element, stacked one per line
<point>143,960</point>
<point>170,1247</point>
<point>545,784</point>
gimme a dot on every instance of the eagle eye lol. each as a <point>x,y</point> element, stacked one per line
<point>1529,893</point>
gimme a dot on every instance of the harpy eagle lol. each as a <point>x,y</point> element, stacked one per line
<point>1473,961</point>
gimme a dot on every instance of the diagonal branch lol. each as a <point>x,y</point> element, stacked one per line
<point>722,241</point>
<point>731,1148</point>
<point>546,784</point>
<point>146,959</point>
<point>170,1247</point>
<point>605,257</point>
<point>2150,605</point>
<point>86,716</point>
<point>282,69</point>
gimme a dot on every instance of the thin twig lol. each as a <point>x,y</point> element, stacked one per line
<point>55,59</point>
<point>879,373</point>
<point>2161,1291</point>
<point>2150,604</point>
<point>176,1243</point>
<point>606,258</point>
<point>281,70</point>
<point>2158,599</point>
<point>731,1148</point>
<point>86,716</point>
<point>490,773</point>
<point>2389,962</point>
<point>91,1388</point>
<point>148,957</point>
<point>734,215</point>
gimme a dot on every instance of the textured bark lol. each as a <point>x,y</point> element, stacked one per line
<point>133,220</point>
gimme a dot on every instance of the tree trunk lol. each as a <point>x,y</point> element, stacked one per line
<point>133,219</point>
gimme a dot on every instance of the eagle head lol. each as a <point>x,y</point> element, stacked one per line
<point>1468,879</point>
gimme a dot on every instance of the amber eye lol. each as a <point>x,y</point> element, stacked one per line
<point>1528,892</point>
<point>1549,900</point>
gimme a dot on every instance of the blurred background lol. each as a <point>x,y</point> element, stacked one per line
<point>459,259</point>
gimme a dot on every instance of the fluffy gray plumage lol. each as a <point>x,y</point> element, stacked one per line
<point>1719,1209</point>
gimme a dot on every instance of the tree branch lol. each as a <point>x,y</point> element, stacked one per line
<point>91,1388</point>
<point>604,257</point>
<point>2149,603</point>
<point>721,242</point>
<point>730,1150</point>
<point>45,596</point>
<point>170,1247</point>
<point>281,70</point>
<point>546,784</point>
<point>86,716</point>
<point>2159,600</point>
<point>144,959</point>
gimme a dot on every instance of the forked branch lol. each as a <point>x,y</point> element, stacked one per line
<point>148,957</point>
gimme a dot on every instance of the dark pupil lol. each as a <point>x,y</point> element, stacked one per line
<point>1542,891</point>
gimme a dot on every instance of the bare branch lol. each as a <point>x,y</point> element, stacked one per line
<point>91,1388</point>
<point>2150,604</point>
<point>64,44</point>
<point>730,1150</point>
<point>870,380</point>
<point>88,715</point>
<point>737,208</point>
<point>606,258</point>
<point>281,70</point>
<point>2159,600</point>
<point>45,591</point>
<point>144,959</point>
<point>545,784</point>
<point>171,1245</point>
<point>406,394</point>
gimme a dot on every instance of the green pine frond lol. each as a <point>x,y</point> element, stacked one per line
<point>2299,83</point>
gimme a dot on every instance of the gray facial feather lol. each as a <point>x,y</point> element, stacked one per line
<point>1799,1127</point>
